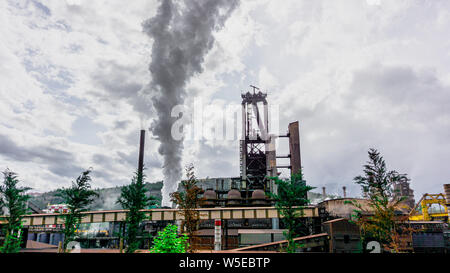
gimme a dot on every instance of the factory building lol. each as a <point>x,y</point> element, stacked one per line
<point>236,212</point>
<point>403,190</point>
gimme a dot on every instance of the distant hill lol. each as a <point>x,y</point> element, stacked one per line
<point>108,197</point>
<point>106,200</point>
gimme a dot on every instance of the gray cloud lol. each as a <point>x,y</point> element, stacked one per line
<point>101,159</point>
<point>59,162</point>
<point>42,7</point>
<point>398,105</point>
<point>397,86</point>
<point>398,110</point>
<point>12,150</point>
<point>218,163</point>
<point>121,124</point>
<point>150,160</point>
<point>117,81</point>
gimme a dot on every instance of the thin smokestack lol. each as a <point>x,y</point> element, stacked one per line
<point>183,34</point>
<point>344,189</point>
<point>141,153</point>
<point>447,192</point>
<point>324,193</point>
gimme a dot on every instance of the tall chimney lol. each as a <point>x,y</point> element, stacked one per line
<point>141,153</point>
<point>447,197</point>
<point>294,147</point>
<point>324,193</point>
<point>447,192</point>
<point>344,188</point>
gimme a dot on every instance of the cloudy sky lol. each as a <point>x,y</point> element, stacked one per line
<point>357,74</point>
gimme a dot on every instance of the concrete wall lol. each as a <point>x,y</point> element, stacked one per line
<point>339,208</point>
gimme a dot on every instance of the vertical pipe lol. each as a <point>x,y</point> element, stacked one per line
<point>324,193</point>
<point>266,120</point>
<point>256,112</point>
<point>218,234</point>
<point>141,153</point>
<point>244,145</point>
<point>447,192</point>
<point>344,188</point>
<point>226,233</point>
<point>244,121</point>
<point>447,198</point>
<point>294,147</point>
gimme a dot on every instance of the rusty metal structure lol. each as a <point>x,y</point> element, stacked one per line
<point>403,190</point>
<point>258,158</point>
<point>255,139</point>
<point>294,147</point>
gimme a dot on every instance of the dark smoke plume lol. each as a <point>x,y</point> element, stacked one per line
<point>183,34</point>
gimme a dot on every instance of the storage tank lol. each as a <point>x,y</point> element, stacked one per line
<point>259,198</point>
<point>210,198</point>
<point>234,198</point>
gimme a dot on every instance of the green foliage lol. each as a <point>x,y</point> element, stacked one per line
<point>291,196</point>
<point>14,199</point>
<point>168,241</point>
<point>78,198</point>
<point>188,201</point>
<point>100,203</point>
<point>134,199</point>
<point>377,186</point>
<point>377,183</point>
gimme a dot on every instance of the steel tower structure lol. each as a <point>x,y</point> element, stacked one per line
<point>256,152</point>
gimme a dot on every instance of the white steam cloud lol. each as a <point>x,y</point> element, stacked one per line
<point>183,34</point>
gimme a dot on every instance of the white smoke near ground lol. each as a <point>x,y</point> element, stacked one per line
<point>183,33</point>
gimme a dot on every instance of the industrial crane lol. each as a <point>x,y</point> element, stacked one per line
<point>421,212</point>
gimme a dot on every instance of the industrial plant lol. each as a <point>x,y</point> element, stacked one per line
<point>237,214</point>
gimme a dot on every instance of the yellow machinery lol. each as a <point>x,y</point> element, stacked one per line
<point>421,212</point>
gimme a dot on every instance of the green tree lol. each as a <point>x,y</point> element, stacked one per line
<point>188,201</point>
<point>168,241</point>
<point>289,201</point>
<point>14,199</point>
<point>134,198</point>
<point>77,198</point>
<point>377,184</point>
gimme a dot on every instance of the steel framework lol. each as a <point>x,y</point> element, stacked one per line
<point>255,140</point>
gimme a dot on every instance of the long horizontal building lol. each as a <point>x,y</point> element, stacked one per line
<point>104,228</point>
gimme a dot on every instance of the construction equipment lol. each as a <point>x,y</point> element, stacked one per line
<point>422,212</point>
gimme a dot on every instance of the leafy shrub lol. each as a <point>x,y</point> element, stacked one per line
<point>168,241</point>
